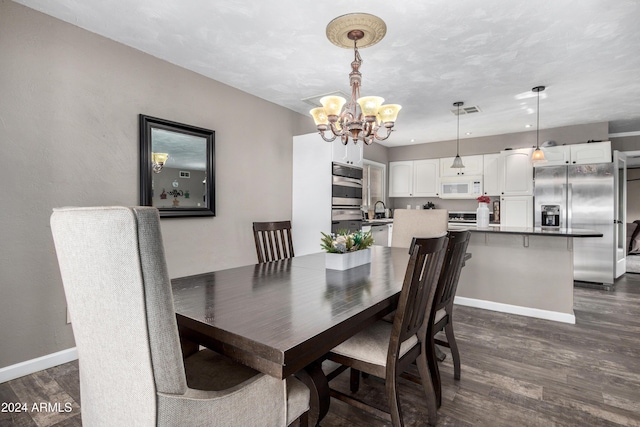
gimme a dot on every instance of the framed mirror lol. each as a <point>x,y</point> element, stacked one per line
<point>176,168</point>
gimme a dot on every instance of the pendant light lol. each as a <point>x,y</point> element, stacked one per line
<point>538,154</point>
<point>457,162</point>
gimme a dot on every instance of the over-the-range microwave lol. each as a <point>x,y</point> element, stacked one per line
<point>461,187</point>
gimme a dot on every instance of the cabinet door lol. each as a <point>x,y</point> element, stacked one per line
<point>516,211</point>
<point>426,178</point>
<point>355,154</point>
<point>555,156</point>
<point>593,152</point>
<point>492,174</point>
<point>518,172</point>
<point>400,179</point>
<point>340,152</point>
<point>472,166</point>
<point>446,169</point>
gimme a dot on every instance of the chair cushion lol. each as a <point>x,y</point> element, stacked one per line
<point>208,370</point>
<point>297,399</point>
<point>439,315</point>
<point>372,344</point>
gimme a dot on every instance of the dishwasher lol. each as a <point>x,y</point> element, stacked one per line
<point>380,234</point>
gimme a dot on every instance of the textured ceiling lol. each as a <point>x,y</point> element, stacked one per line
<point>488,53</point>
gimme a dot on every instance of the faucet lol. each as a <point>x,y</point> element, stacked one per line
<point>375,209</point>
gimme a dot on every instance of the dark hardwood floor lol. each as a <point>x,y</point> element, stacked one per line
<point>516,371</point>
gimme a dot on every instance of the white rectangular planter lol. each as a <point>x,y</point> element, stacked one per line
<point>348,260</point>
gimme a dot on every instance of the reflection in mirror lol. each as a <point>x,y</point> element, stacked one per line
<point>176,168</point>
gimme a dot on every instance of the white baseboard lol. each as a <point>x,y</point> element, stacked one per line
<point>516,309</point>
<point>28,367</point>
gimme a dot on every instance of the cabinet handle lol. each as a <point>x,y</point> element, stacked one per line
<point>574,162</point>
<point>567,161</point>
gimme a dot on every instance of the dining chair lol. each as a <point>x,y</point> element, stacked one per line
<point>132,367</point>
<point>273,240</point>
<point>442,312</point>
<point>384,349</point>
<point>410,223</point>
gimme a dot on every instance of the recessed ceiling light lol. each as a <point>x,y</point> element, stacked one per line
<point>413,140</point>
<point>468,133</point>
<point>527,126</point>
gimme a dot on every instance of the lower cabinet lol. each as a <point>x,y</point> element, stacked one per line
<point>516,211</point>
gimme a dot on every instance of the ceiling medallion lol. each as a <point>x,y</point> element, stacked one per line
<point>362,117</point>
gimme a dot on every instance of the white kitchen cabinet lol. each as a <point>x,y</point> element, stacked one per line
<point>401,178</point>
<point>492,174</point>
<point>517,172</point>
<point>349,154</point>
<point>473,165</point>
<point>555,156</point>
<point>593,152</point>
<point>426,178</point>
<point>516,211</point>
<point>577,154</point>
<point>414,178</point>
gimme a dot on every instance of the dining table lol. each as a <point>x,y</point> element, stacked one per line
<point>281,318</point>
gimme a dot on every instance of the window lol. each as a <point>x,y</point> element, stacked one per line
<point>373,183</point>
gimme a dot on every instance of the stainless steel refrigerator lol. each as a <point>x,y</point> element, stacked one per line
<point>589,197</point>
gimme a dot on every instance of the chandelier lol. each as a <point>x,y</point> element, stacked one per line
<point>362,117</point>
<point>157,161</point>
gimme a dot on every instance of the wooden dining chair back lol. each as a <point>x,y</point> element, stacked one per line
<point>442,312</point>
<point>386,349</point>
<point>273,240</point>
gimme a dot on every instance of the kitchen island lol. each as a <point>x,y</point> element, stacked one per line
<point>525,271</point>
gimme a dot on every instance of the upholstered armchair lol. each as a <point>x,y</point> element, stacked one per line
<point>132,370</point>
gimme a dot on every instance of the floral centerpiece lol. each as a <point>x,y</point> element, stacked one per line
<point>346,250</point>
<point>484,199</point>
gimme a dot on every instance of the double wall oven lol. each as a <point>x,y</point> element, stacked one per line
<point>346,198</point>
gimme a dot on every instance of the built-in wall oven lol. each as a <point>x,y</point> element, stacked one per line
<point>346,198</point>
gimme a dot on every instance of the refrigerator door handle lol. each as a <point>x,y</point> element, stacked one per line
<point>569,204</point>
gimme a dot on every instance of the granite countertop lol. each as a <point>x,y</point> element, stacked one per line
<point>380,221</point>
<point>533,231</point>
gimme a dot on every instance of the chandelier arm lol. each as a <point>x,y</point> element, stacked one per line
<point>325,138</point>
<point>382,138</point>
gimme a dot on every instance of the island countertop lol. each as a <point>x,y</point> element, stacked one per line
<point>532,231</point>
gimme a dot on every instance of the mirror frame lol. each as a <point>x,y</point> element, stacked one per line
<point>147,123</point>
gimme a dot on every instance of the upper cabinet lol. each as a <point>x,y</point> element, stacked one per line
<point>349,154</point>
<point>414,178</point>
<point>492,167</point>
<point>577,154</point>
<point>517,172</point>
<point>401,179</point>
<point>593,152</point>
<point>472,166</point>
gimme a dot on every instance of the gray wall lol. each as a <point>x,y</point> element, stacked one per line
<point>69,133</point>
<point>497,143</point>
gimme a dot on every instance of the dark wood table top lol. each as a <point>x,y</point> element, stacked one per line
<point>279,317</point>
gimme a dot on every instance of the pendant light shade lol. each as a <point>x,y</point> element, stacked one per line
<point>538,154</point>
<point>457,162</point>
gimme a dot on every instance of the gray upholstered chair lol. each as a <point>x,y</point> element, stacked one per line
<point>410,223</point>
<point>131,365</point>
<point>387,349</point>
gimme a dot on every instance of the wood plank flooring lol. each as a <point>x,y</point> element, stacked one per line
<point>516,371</point>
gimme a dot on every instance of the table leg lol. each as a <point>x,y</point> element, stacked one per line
<point>313,377</point>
